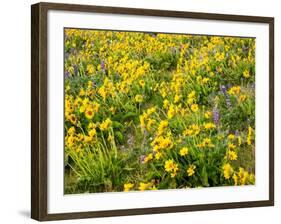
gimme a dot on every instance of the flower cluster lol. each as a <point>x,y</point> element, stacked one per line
<point>147,111</point>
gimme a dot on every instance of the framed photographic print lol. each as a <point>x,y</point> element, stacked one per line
<point>139,111</point>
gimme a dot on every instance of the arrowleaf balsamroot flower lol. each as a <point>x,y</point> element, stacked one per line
<point>194,107</point>
<point>105,124</point>
<point>227,171</point>
<point>246,74</point>
<point>191,170</point>
<point>171,167</point>
<point>139,98</point>
<point>128,186</point>
<point>184,151</point>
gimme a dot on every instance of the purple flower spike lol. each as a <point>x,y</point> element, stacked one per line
<point>228,85</point>
<point>66,74</point>
<point>102,65</point>
<point>216,116</point>
<point>228,103</point>
<point>223,89</point>
<point>236,133</point>
<point>75,70</point>
<point>227,99</point>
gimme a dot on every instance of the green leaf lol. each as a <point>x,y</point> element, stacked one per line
<point>119,136</point>
<point>129,115</point>
<point>204,177</point>
<point>116,124</point>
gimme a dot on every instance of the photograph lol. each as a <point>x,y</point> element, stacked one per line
<point>157,111</point>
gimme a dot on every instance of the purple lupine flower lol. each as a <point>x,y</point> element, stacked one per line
<point>75,70</point>
<point>102,65</point>
<point>66,74</point>
<point>72,50</point>
<point>216,116</point>
<point>227,99</point>
<point>236,133</point>
<point>223,89</point>
<point>66,55</point>
<point>228,85</point>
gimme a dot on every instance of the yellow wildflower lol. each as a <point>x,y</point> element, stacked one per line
<point>187,132</point>
<point>142,83</point>
<point>139,98</point>
<point>158,155</point>
<point>150,122</point>
<point>165,104</point>
<point>162,126</point>
<point>102,92</point>
<point>71,131</point>
<point>191,97</point>
<point>246,73</point>
<point>235,178</point>
<point>166,143</point>
<point>242,98</point>
<point>169,165</point>
<point>171,111</point>
<point>232,155</point>
<point>239,140</point>
<point>207,142</point>
<point>249,136</point>
<point>72,118</point>
<point>208,114</point>
<point>89,112</point>
<point>184,151</point>
<point>209,125</point>
<point>90,69</point>
<point>177,98</point>
<point>151,110</point>
<point>112,109</point>
<point>243,176</point>
<point>144,186</point>
<point>227,171</point>
<point>70,140</point>
<point>235,90</point>
<point>148,158</point>
<point>128,187</point>
<point>82,92</point>
<point>191,170</point>
<point>105,124</point>
<point>205,80</point>
<point>92,132</point>
<point>194,107</point>
<point>196,129</point>
<point>231,146</point>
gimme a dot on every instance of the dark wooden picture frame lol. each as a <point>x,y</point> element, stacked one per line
<point>39,148</point>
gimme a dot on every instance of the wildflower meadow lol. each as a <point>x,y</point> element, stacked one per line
<point>154,111</point>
